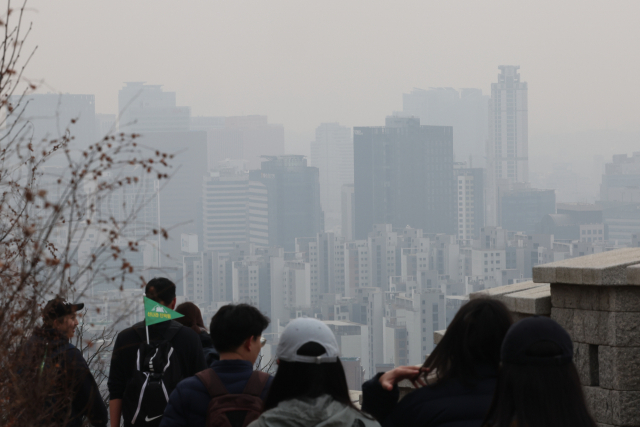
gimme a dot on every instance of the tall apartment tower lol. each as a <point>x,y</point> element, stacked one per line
<point>508,142</point>
<point>332,154</point>
<point>470,202</point>
<point>403,175</point>
<point>293,189</point>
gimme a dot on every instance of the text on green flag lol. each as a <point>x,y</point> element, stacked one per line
<point>155,312</point>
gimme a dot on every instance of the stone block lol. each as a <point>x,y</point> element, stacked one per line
<point>624,408</point>
<point>618,329</point>
<point>619,368</point>
<point>606,268</point>
<point>633,275</point>
<point>585,357</point>
<point>599,298</point>
<point>564,317</point>
<point>531,301</point>
<point>599,403</point>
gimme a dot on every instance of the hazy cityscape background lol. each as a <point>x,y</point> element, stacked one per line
<point>369,164</point>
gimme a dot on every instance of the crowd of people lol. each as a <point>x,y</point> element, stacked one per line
<point>486,372</point>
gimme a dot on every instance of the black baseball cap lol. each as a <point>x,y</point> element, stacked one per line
<point>532,330</point>
<point>58,307</point>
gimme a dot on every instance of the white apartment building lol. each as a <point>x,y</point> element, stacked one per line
<point>296,284</point>
<point>332,154</point>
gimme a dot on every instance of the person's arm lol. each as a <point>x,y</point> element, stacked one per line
<point>87,399</point>
<point>380,394</point>
<point>115,412</point>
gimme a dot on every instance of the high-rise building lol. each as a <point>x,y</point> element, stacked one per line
<point>147,108</point>
<point>620,197</point>
<point>470,202</point>
<point>245,137</point>
<point>508,143</point>
<point>403,175</point>
<point>181,195</point>
<point>348,212</point>
<point>235,210</point>
<point>294,199</point>
<point>47,116</point>
<point>523,209</point>
<point>465,110</point>
<point>332,154</point>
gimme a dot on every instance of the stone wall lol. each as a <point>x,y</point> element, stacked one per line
<point>597,300</point>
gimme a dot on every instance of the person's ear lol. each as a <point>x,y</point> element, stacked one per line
<point>173,304</point>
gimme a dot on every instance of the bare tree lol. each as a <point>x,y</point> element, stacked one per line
<point>45,216</point>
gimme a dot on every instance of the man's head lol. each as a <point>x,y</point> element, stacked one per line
<point>162,291</point>
<point>61,315</point>
<point>237,330</point>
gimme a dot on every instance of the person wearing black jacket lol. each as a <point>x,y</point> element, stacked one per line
<point>455,385</point>
<point>123,359</point>
<point>193,319</point>
<point>57,372</point>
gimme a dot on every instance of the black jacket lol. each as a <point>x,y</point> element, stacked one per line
<point>447,404</point>
<point>123,359</point>
<point>210,352</point>
<point>49,352</point>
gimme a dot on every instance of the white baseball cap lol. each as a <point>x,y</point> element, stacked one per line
<point>302,331</point>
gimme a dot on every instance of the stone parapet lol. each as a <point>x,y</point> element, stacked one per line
<point>522,299</point>
<point>603,269</point>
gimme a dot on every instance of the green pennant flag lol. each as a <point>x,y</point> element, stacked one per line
<point>156,313</point>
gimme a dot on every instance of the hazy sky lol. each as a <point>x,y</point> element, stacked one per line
<point>307,62</point>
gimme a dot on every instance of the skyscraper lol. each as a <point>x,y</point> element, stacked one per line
<point>294,199</point>
<point>247,138</point>
<point>465,110</point>
<point>508,144</point>
<point>147,108</point>
<point>470,202</point>
<point>235,211</point>
<point>332,154</point>
<point>403,175</point>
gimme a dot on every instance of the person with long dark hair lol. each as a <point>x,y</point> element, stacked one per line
<point>456,383</point>
<point>538,384</point>
<point>193,319</point>
<point>310,387</point>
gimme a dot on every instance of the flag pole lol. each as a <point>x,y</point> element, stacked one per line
<point>145,321</point>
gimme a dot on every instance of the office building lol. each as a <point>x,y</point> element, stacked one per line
<point>147,108</point>
<point>465,110</point>
<point>332,154</point>
<point>403,175</point>
<point>245,137</point>
<point>235,210</point>
<point>348,212</point>
<point>508,143</point>
<point>523,209</point>
<point>294,199</point>
<point>620,197</point>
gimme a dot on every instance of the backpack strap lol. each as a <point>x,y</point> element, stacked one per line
<point>256,384</point>
<point>212,382</point>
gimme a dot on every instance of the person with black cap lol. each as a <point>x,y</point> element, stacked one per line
<point>310,386</point>
<point>538,384</point>
<point>56,373</point>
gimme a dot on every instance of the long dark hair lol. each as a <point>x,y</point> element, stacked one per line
<point>539,396</point>
<point>192,316</point>
<point>474,337</point>
<point>295,380</point>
